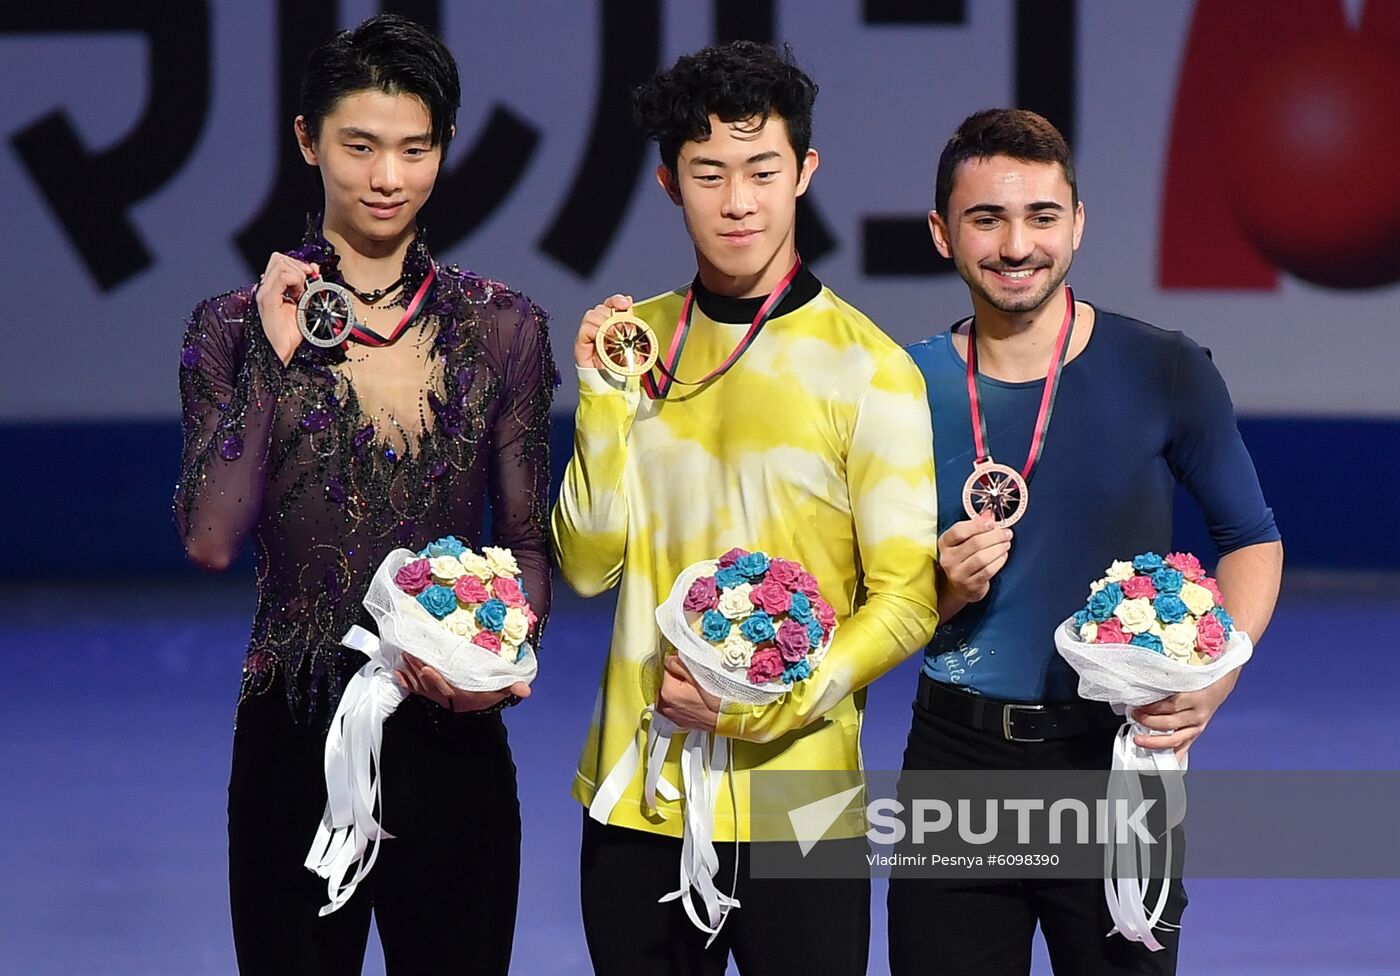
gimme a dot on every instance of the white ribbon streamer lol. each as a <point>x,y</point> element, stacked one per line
<point>609,793</point>
<point>347,840</point>
<point>1127,857</point>
<point>705,758</point>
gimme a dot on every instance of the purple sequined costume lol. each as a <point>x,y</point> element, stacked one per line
<point>286,453</point>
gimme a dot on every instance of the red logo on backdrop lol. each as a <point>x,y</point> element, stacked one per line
<point>1285,148</point>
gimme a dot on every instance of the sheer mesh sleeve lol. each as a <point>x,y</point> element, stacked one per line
<point>228,378</point>
<point>519,486</point>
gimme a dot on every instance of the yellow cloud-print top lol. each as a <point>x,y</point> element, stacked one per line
<point>815,446</point>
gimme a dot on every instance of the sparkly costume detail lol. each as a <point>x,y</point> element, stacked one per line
<point>329,478</point>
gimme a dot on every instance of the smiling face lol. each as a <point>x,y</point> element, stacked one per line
<point>378,166</point>
<point>738,189</point>
<point>1011,229</point>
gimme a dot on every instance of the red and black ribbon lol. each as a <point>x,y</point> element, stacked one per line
<point>1047,396</point>
<point>363,333</point>
<point>667,364</point>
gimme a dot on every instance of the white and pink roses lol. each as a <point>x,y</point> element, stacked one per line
<point>765,616</point>
<point>478,597</point>
<point>1166,604</point>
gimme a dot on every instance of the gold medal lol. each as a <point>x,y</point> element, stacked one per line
<point>625,344</point>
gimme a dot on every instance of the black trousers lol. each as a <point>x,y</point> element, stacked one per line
<point>984,927</point>
<point>443,891</point>
<point>783,925</point>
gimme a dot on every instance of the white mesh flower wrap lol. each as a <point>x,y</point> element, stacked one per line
<point>1127,676</point>
<point>706,756</point>
<point>347,840</point>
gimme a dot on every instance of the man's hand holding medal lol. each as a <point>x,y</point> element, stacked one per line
<point>279,291</point>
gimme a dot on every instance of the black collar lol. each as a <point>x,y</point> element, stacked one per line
<point>719,308</point>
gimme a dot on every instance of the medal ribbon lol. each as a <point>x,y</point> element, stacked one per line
<point>1047,397</point>
<point>658,391</point>
<point>363,333</point>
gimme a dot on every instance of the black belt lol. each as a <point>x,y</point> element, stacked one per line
<point>1015,721</point>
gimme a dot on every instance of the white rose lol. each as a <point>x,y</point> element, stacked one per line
<point>477,566</point>
<point>1137,616</point>
<point>1098,584</point>
<point>1197,598</point>
<point>737,650</point>
<point>446,568</point>
<point>462,623</point>
<point>1089,632</point>
<point>501,561</point>
<point>735,603</point>
<point>1119,571</point>
<point>1179,640</point>
<point>516,627</point>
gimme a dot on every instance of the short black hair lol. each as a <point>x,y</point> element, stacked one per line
<point>388,53</point>
<point>735,81</point>
<point>1013,132</point>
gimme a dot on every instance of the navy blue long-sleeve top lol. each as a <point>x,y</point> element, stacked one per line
<point>1138,410</point>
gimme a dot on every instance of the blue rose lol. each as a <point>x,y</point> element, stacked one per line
<point>1170,609</point>
<point>753,565</point>
<point>729,577</point>
<point>1226,621</point>
<point>1081,617</point>
<point>439,600</point>
<point>1105,601</point>
<point>801,609</point>
<point>814,634</point>
<point>448,545</point>
<point>520,654</point>
<point>714,626</point>
<point>491,615</point>
<point>1148,562</point>
<point>1167,580</point>
<point>1150,641</point>
<point>797,671</point>
<point>758,628</point>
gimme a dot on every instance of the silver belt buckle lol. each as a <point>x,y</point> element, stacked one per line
<point>1006,721</point>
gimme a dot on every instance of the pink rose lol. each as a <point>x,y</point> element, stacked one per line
<point>1139,588</point>
<point>488,640</point>
<point>470,590</point>
<point>825,615</point>
<point>531,616</point>
<point>766,666</point>
<point>703,595</point>
<point>414,576</point>
<point>1111,632</point>
<point>1210,635</point>
<point>731,557</point>
<point>1186,564</point>
<point>792,641</point>
<point>770,597</point>
<point>807,583</point>
<point>507,591</point>
<point>785,572</point>
<point>1210,584</point>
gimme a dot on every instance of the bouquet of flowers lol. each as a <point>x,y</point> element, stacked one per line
<point>463,614</point>
<point>1152,627</point>
<point>748,627</point>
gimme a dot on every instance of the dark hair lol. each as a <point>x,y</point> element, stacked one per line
<point>1013,132</point>
<point>388,53</point>
<point>735,81</point>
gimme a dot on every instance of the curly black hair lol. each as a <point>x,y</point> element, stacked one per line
<point>734,81</point>
<point>388,53</point>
